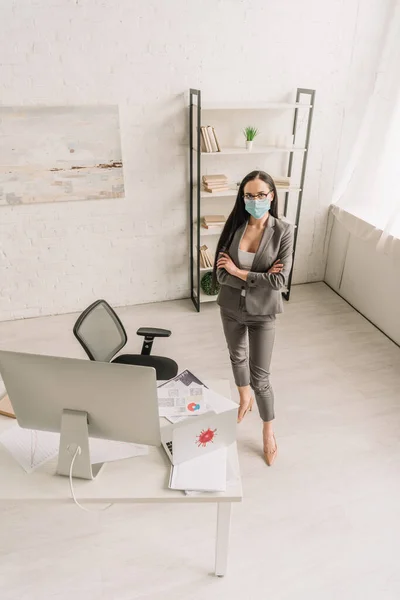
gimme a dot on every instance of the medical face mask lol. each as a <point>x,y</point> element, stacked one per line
<point>258,208</point>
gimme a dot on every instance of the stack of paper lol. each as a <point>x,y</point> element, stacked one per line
<point>232,477</point>
<point>178,401</point>
<point>182,397</point>
<point>203,474</point>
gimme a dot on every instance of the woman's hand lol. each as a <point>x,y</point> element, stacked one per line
<point>276,267</point>
<point>225,262</point>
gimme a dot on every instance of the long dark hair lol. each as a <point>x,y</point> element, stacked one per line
<point>239,215</point>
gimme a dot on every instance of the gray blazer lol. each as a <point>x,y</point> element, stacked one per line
<point>263,290</point>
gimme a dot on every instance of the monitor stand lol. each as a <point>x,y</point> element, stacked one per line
<point>74,433</point>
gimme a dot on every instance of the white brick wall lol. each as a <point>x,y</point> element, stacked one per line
<point>144,55</point>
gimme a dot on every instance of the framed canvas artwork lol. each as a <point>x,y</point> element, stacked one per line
<point>59,154</point>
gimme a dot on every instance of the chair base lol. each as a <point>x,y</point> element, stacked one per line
<point>166,368</point>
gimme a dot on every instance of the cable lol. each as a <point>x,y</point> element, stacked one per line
<point>71,486</point>
<point>33,446</point>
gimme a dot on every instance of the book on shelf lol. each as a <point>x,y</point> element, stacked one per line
<point>208,139</point>
<point>214,218</point>
<point>203,147</point>
<point>213,221</point>
<point>281,181</point>
<point>216,189</point>
<point>213,138</point>
<point>206,258</point>
<point>202,259</point>
<point>215,183</point>
<point>204,264</point>
<point>204,140</point>
<point>216,141</point>
<point>217,178</point>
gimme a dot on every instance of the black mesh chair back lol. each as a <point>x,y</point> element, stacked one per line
<point>100,332</point>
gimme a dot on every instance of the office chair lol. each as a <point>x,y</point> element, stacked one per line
<point>101,334</point>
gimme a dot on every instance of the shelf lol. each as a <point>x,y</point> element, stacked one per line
<point>255,150</point>
<point>202,270</point>
<point>291,149</point>
<point>204,298</point>
<point>233,190</point>
<point>228,194</point>
<point>218,230</point>
<point>255,106</point>
<point>232,193</point>
<point>289,188</point>
<point>207,232</point>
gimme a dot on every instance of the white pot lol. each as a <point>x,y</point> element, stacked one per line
<point>249,145</point>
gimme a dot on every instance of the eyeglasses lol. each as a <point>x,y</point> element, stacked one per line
<point>261,196</point>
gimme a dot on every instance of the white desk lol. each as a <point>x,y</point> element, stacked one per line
<point>139,479</point>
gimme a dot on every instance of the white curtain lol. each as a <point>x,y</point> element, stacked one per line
<point>370,186</point>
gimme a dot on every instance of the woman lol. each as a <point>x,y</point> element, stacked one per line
<point>253,262</point>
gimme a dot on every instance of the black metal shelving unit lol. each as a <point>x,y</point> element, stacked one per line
<point>195,177</point>
<point>195,120</point>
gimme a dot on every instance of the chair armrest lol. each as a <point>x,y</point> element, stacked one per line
<point>152,332</point>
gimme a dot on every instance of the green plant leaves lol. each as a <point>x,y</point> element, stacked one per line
<point>250,133</point>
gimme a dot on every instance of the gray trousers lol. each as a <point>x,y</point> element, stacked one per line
<point>250,342</point>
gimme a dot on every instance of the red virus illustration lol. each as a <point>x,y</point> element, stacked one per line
<point>205,437</point>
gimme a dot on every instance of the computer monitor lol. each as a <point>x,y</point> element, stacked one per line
<point>82,398</point>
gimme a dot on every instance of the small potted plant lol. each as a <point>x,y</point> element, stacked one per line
<point>207,286</point>
<point>250,133</point>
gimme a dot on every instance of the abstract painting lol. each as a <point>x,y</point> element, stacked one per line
<point>58,154</point>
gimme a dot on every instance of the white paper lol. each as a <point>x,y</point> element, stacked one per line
<point>176,400</point>
<point>185,377</point>
<point>31,449</point>
<point>232,478</point>
<point>218,403</point>
<point>174,420</point>
<point>215,403</point>
<point>109,450</point>
<point>202,474</point>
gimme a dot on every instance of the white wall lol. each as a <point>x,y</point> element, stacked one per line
<point>365,277</point>
<point>143,55</point>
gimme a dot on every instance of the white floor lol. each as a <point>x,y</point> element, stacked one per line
<point>322,524</point>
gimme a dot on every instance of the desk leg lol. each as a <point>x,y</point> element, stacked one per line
<point>223,527</point>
